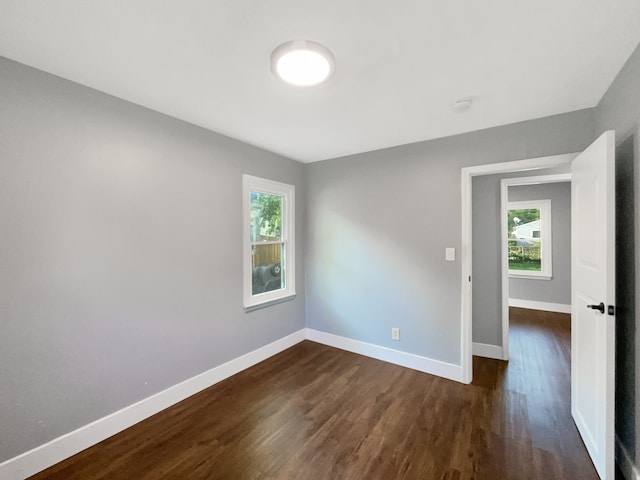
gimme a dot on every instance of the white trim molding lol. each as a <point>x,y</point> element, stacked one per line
<point>409,360</point>
<point>466,177</point>
<point>286,240</point>
<point>58,449</point>
<point>546,306</point>
<point>505,183</point>
<point>44,456</point>
<point>487,351</point>
<point>623,459</point>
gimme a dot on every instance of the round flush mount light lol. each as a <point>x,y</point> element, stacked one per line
<point>302,63</point>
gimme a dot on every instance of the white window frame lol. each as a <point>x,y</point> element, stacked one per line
<point>546,250</point>
<point>287,192</point>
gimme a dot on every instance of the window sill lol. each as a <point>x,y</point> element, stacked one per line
<point>275,301</point>
<point>529,277</point>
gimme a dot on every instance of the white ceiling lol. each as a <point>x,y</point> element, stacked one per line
<point>399,65</point>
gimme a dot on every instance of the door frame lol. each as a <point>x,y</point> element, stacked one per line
<point>467,174</point>
<point>505,183</point>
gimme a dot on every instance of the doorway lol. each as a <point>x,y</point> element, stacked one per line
<point>467,175</point>
<point>535,262</point>
<point>592,291</point>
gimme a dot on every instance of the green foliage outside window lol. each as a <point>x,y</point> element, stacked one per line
<point>525,215</point>
<point>524,258</point>
<point>266,214</point>
<point>524,254</point>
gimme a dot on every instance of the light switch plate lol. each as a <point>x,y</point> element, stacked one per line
<point>450,254</point>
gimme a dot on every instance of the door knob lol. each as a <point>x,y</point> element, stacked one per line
<point>597,307</point>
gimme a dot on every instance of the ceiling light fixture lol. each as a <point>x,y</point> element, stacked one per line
<point>302,63</point>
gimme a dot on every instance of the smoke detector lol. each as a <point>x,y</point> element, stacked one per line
<point>461,105</point>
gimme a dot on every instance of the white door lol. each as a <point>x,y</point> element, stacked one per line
<point>593,291</point>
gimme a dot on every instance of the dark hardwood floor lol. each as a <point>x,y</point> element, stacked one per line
<point>315,412</point>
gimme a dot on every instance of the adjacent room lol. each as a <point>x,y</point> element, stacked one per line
<point>334,240</point>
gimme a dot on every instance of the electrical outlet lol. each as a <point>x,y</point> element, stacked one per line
<point>395,334</point>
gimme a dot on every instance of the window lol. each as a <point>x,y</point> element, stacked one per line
<point>268,244</point>
<point>529,238</point>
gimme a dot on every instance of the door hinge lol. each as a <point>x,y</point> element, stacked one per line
<point>611,310</point>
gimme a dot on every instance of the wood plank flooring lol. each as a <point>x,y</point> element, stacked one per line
<point>315,412</point>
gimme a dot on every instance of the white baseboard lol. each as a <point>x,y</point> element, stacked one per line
<point>409,360</point>
<point>629,470</point>
<point>56,450</point>
<point>60,448</point>
<point>546,306</point>
<point>487,351</point>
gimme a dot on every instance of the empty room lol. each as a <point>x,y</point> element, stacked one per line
<point>319,240</point>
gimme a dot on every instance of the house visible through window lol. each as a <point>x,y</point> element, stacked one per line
<point>269,234</point>
<point>529,238</point>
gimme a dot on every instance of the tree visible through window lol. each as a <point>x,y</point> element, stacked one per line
<point>268,241</point>
<point>267,247</point>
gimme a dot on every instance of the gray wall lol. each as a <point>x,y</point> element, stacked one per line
<point>558,289</point>
<point>378,225</point>
<point>487,263</point>
<point>120,254</point>
<point>620,110</point>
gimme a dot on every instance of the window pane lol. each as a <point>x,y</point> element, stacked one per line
<point>266,217</point>
<point>524,239</point>
<point>267,274</point>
